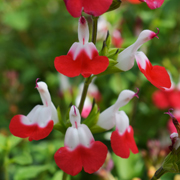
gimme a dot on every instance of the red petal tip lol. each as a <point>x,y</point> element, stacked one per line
<point>36,82</point>
<point>169,113</point>
<point>136,94</point>
<point>82,20</point>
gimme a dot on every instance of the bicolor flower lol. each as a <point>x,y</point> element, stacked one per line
<point>122,139</point>
<point>83,57</point>
<point>80,149</point>
<point>157,75</point>
<point>39,122</point>
<point>93,7</point>
<point>175,136</point>
<point>153,4</point>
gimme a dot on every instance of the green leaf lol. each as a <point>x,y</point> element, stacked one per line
<point>13,141</point>
<point>110,70</point>
<point>31,171</point>
<point>23,159</point>
<point>115,4</point>
<point>92,119</point>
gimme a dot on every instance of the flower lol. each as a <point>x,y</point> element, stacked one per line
<point>122,139</point>
<point>153,4</point>
<point>39,122</point>
<point>157,75</point>
<point>93,7</point>
<point>80,149</point>
<point>83,57</point>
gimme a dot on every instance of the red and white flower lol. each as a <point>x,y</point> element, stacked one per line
<point>80,149</point>
<point>93,7</point>
<point>122,139</point>
<point>39,122</point>
<point>83,57</point>
<point>157,75</point>
<point>153,4</point>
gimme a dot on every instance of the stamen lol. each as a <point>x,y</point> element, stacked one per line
<point>169,113</point>
<point>75,110</point>
<point>36,83</point>
<point>136,94</point>
<point>154,34</point>
<point>157,33</point>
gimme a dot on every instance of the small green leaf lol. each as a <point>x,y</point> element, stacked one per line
<point>115,4</point>
<point>13,141</point>
<point>110,70</point>
<point>92,119</point>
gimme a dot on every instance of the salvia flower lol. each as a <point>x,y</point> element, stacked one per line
<point>153,4</point>
<point>83,57</point>
<point>93,7</point>
<point>122,139</point>
<point>80,149</point>
<point>39,122</point>
<point>157,75</point>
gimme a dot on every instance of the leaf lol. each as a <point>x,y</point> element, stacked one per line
<point>31,171</point>
<point>23,159</point>
<point>92,119</point>
<point>115,4</point>
<point>13,141</point>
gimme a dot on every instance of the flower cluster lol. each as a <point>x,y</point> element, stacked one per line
<point>80,148</point>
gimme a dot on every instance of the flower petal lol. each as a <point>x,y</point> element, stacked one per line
<point>33,131</point>
<point>74,7</point>
<point>94,157</point>
<point>93,7</point>
<point>130,140</point>
<point>96,8</point>
<point>83,31</point>
<point>69,161</point>
<point>67,66</point>
<point>119,144</point>
<point>126,57</point>
<point>157,75</point>
<point>91,158</point>
<point>153,4</point>
<point>161,99</point>
<point>81,60</point>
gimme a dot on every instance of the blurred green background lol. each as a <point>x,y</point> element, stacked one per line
<point>32,34</point>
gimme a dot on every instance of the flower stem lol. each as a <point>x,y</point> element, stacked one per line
<point>94,29</point>
<point>65,175</point>
<point>84,93</point>
<point>158,173</point>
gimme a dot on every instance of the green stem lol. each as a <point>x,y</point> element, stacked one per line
<point>158,173</point>
<point>65,175</point>
<point>84,93</point>
<point>94,29</point>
